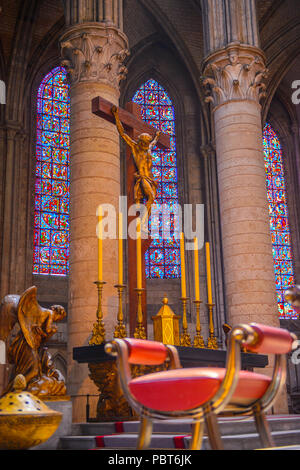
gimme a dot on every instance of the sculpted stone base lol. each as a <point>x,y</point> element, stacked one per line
<point>112,404</point>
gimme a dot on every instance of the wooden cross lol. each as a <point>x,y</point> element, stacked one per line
<point>133,126</point>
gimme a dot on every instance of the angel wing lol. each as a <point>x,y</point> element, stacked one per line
<point>29,316</point>
<point>8,315</point>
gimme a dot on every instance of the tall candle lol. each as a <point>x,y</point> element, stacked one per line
<point>196,264</point>
<point>100,248</point>
<point>138,254</point>
<point>120,248</point>
<point>208,273</point>
<point>182,257</point>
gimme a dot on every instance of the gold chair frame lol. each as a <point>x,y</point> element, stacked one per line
<point>219,405</point>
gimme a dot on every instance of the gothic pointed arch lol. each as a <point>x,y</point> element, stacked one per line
<point>51,211</point>
<point>279,219</point>
<point>163,256</point>
<point>60,363</point>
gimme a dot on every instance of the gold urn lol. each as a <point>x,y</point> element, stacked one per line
<point>25,420</point>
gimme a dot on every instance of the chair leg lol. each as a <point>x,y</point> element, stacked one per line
<point>197,435</point>
<point>145,433</point>
<point>213,431</point>
<point>262,427</point>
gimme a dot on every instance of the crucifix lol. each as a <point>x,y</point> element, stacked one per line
<point>135,128</point>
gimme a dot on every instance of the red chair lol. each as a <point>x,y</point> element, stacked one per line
<point>203,393</point>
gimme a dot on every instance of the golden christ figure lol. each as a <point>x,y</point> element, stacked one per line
<point>145,184</point>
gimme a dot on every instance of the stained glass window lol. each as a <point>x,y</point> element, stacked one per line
<point>280,231</point>
<point>51,215</point>
<point>163,256</point>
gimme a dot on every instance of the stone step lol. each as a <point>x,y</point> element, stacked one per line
<point>228,426</point>
<point>124,441</point>
<point>171,441</point>
<point>252,441</point>
<point>237,434</point>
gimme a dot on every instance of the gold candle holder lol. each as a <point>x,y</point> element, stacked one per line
<point>212,342</point>
<point>120,329</point>
<point>98,334</point>
<point>185,339</point>
<point>139,332</point>
<point>198,339</point>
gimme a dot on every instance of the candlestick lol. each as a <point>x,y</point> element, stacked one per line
<point>185,339</point>
<point>208,274</point>
<point>182,257</point>
<point>139,332</point>
<point>98,334</point>
<point>100,247</point>
<point>196,264</point>
<point>120,281</point>
<point>139,255</point>
<point>120,329</point>
<point>212,342</point>
<point>198,339</point>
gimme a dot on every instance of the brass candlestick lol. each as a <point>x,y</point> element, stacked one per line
<point>120,330</point>
<point>185,339</point>
<point>198,339</point>
<point>212,342</point>
<point>139,332</point>
<point>98,334</point>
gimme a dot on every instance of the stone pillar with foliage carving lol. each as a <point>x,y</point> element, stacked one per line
<point>234,74</point>
<point>93,49</point>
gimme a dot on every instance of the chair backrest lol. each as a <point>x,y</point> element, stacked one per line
<point>271,340</point>
<point>141,351</point>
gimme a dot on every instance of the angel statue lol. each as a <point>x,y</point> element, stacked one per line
<point>27,350</point>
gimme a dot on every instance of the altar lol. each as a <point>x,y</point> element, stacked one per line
<point>189,357</point>
<point>112,405</point>
<point>168,328</point>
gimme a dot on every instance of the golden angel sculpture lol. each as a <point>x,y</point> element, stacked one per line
<point>27,350</point>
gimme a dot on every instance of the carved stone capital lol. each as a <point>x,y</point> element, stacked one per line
<point>295,129</point>
<point>21,136</point>
<point>207,150</point>
<point>236,72</point>
<point>94,53</point>
<point>11,133</point>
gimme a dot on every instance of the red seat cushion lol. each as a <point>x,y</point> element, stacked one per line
<point>271,340</point>
<point>185,389</point>
<point>145,352</point>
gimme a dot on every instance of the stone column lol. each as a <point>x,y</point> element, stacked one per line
<point>234,72</point>
<point>213,231</point>
<point>93,49</point>
<point>227,21</point>
<point>8,200</point>
<point>234,75</point>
